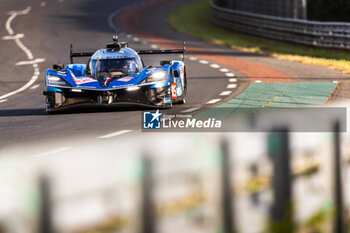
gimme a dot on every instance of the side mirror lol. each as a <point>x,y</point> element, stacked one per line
<point>58,66</point>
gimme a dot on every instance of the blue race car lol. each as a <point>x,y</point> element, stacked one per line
<point>116,75</point>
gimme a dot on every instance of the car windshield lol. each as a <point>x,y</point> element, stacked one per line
<point>113,67</point>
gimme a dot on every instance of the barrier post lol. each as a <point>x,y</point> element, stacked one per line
<point>148,210</point>
<point>227,190</point>
<point>282,209</point>
<point>45,221</point>
<point>338,223</point>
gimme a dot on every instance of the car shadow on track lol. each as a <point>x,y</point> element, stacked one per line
<point>42,112</point>
<point>22,112</point>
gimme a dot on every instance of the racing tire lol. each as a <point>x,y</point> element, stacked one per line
<point>50,111</point>
<point>183,101</point>
<point>168,106</point>
<point>50,103</point>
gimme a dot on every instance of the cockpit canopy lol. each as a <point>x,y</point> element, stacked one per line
<point>114,67</point>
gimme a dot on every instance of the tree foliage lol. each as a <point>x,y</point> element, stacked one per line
<point>329,10</point>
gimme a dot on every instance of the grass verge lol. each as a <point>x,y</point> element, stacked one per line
<point>194,19</point>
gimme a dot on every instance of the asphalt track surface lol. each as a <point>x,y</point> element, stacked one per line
<point>35,34</point>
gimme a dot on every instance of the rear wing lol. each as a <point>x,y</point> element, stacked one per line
<point>140,52</point>
<point>81,54</point>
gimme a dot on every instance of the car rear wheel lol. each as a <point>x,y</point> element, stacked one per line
<point>184,90</point>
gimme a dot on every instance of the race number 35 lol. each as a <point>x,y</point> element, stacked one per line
<point>173,90</point>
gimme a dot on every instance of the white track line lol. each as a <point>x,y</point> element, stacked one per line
<point>230,75</point>
<point>203,62</point>
<point>232,80</point>
<point>1,101</point>
<point>110,21</point>
<point>258,81</point>
<point>13,15</point>
<point>224,70</point>
<point>153,46</point>
<point>35,86</point>
<point>193,58</point>
<point>190,110</point>
<point>42,4</point>
<point>27,85</point>
<point>8,24</point>
<point>225,93</point>
<point>215,66</point>
<point>231,86</point>
<point>36,61</point>
<point>115,134</point>
<point>18,36</point>
<point>29,54</point>
<point>335,81</point>
<point>213,101</point>
<point>136,39</point>
<point>24,49</point>
<point>54,151</point>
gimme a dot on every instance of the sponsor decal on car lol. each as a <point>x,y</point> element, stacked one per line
<point>83,80</point>
<point>173,90</point>
<point>182,71</point>
<point>125,79</point>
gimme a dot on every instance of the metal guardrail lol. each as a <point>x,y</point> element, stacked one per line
<point>317,34</point>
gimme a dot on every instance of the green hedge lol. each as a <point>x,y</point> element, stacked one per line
<point>329,10</point>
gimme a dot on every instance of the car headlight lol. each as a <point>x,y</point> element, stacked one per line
<point>56,81</point>
<point>157,76</point>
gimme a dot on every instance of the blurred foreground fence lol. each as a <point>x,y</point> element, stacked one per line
<point>317,34</point>
<point>247,182</point>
